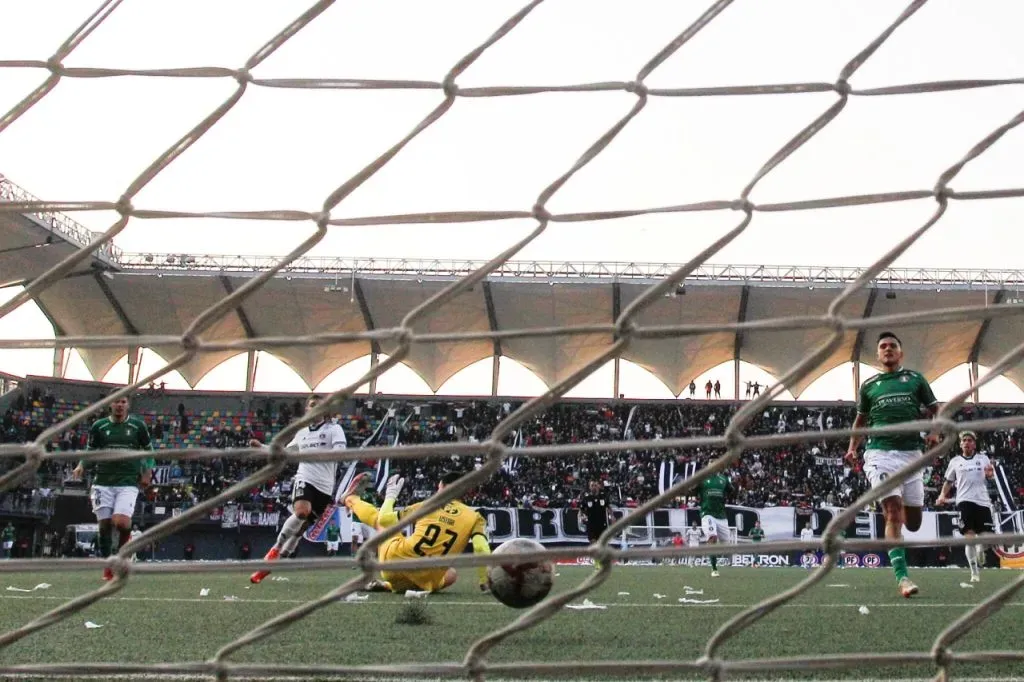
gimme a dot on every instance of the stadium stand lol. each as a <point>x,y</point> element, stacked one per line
<point>801,475</point>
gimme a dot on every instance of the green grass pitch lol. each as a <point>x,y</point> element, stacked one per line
<point>163,618</point>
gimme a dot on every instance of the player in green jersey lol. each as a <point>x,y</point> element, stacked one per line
<point>714,492</point>
<point>333,539</point>
<point>895,396</point>
<point>115,485</point>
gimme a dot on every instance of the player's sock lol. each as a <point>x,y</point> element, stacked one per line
<point>123,536</point>
<point>292,529</point>
<point>979,554</point>
<point>898,559</point>
<point>292,543</point>
<point>104,543</point>
<point>714,562</point>
<point>972,559</point>
<point>366,512</point>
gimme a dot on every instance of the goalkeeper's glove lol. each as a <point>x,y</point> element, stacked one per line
<point>394,488</point>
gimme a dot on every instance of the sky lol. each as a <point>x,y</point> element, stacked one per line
<point>285,148</point>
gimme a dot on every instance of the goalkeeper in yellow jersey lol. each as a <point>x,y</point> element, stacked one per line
<point>442,532</point>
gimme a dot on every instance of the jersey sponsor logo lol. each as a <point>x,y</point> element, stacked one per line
<point>904,378</point>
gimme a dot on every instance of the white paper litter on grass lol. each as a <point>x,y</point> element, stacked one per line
<point>280,578</point>
<point>355,596</point>
<point>659,596</point>
<point>205,592</point>
<point>864,610</point>
<point>839,585</point>
<point>684,600</point>
<point>587,604</point>
<point>967,585</point>
<point>40,586</point>
<point>415,594</point>
<point>623,594</point>
<point>89,625</point>
<point>689,591</point>
<point>231,597</point>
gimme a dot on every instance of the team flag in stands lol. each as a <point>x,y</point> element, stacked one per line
<point>1005,489</point>
<point>667,476</point>
<point>511,463</point>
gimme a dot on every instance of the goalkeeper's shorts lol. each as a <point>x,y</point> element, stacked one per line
<point>431,579</point>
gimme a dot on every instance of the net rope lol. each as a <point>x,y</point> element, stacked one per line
<point>625,329</point>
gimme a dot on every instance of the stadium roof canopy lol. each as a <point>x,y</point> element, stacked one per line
<point>117,293</point>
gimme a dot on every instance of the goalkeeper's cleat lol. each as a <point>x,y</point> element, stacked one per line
<point>394,487</point>
<point>273,555</point>
<point>714,574</point>
<point>359,484</point>
<point>907,588</point>
<point>378,586</point>
<point>108,574</point>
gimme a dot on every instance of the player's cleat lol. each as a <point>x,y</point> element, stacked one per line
<point>975,578</point>
<point>907,588</point>
<point>358,485</point>
<point>714,574</point>
<point>378,586</point>
<point>257,577</point>
<point>108,573</point>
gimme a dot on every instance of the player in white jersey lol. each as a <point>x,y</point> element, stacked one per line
<point>807,535</point>
<point>970,472</point>
<point>312,487</point>
<point>693,537</point>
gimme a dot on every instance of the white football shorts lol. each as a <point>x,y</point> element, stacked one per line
<point>109,500</point>
<point>332,546</point>
<point>716,528</point>
<point>879,465</point>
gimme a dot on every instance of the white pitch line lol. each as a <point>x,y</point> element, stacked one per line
<point>441,601</point>
<point>332,678</point>
<point>183,677</point>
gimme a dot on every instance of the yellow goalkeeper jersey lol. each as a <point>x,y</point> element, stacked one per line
<point>444,531</point>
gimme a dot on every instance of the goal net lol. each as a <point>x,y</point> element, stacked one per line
<point>243,79</point>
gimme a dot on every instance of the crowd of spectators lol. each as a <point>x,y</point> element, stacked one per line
<point>806,474</point>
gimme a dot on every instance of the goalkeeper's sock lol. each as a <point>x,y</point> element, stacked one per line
<point>104,543</point>
<point>898,559</point>
<point>364,511</point>
<point>714,563</point>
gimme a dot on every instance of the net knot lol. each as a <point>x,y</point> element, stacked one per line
<point>450,89</point>
<point>243,76</point>
<point>124,206</point>
<point>321,218</point>
<point>34,454</point>
<point>54,65</point>
<point>120,566</point>
<point>541,214</point>
<point>745,205</point>
<point>637,88</point>
<point>733,439</point>
<point>625,327</point>
<point>842,87</point>
<point>189,342</point>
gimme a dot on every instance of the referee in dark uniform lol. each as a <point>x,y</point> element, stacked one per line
<point>596,508</point>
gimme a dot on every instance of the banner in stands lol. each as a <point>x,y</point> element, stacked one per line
<point>658,527</point>
<point>255,518</point>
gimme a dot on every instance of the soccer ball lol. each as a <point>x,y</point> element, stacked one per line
<point>520,585</point>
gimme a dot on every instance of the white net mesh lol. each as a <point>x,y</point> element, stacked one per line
<point>624,329</point>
